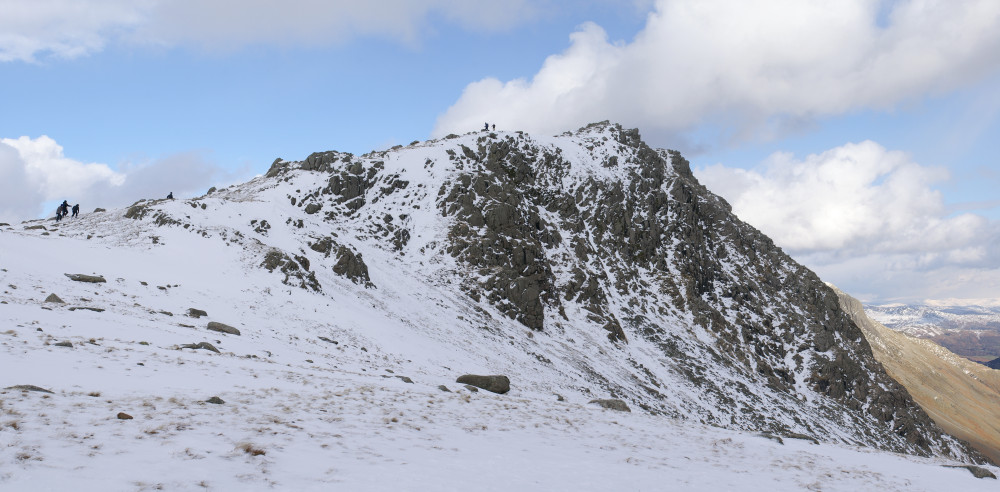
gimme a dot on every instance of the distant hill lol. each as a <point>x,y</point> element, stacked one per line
<point>970,331</point>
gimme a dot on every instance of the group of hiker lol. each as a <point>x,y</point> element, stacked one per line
<point>63,210</point>
<point>486,127</point>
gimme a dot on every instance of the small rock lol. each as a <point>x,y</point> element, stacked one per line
<point>35,227</point>
<point>79,277</point>
<point>28,387</point>
<point>124,416</point>
<point>98,210</point>
<point>215,400</point>
<point>222,328</point>
<point>612,404</point>
<point>325,339</point>
<point>444,388</point>
<point>472,388</point>
<point>497,384</point>
<point>54,298</point>
<point>96,310</point>
<point>559,397</point>
<point>405,379</point>
<point>201,345</point>
<point>63,344</point>
<point>196,313</point>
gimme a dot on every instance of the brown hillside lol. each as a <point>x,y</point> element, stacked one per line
<point>959,395</point>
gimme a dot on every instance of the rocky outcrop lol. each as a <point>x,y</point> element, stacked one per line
<point>612,404</point>
<point>352,266</point>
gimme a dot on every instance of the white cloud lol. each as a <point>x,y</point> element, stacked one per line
<point>747,64</point>
<point>867,219</point>
<point>70,28</point>
<point>35,172</point>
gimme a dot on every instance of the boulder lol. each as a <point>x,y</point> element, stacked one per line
<point>612,404</point>
<point>64,344</point>
<point>215,400</point>
<point>79,277</point>
<point>54,298</point>
<point>976,471</point>
<point>196,313</point>
<point>222,328</point>
<point>124,416</point>
<point>496,384</point>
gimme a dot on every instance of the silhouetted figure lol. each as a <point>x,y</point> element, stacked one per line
<point>170,195</point>
<point>76,210</point>
<point>62,211</point>
<point>486,127</point>
<point>494,127</point>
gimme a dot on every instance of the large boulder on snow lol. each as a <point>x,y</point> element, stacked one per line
<point>496,384</point>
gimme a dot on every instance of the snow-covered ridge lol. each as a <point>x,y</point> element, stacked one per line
<point>585,265</point>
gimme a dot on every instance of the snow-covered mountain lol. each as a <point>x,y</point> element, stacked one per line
<point>971,331</point>
<point>583,266</point>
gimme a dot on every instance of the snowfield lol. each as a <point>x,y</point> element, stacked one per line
<point>302,413</point>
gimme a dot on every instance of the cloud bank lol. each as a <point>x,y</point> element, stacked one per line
<point>753,67</point>
<point>34,173</point>
<point>868,219</point>
<point>34,29</point>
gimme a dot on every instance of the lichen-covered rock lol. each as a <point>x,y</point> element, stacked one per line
<point>54,299</point>
<point>204,345</point>
<point>196,313</point>
<point>221,328</point>
<point>496,384</point>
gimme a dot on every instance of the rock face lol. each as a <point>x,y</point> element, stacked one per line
<point>602,258</point>
<point>496,384</point>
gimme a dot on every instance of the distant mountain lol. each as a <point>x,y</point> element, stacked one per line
<point>963,397</point>
<point>969,331</point>
<point>586,265</point>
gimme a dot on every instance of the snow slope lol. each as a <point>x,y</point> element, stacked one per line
<point>334,379</point>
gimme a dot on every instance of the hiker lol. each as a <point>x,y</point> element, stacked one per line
<point>170,195</point>
<point>486,127</point>
<point>63,210</point>
<point>76,210</point>
<point>494,127</point>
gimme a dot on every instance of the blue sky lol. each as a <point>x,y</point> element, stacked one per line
<point>861,135</point>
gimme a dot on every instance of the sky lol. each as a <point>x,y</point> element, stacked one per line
<point>861,135</point>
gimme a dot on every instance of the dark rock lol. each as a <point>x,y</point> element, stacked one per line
<point>496,384</point>
<point>296,269</point>
<point>35,227</point>
<point>54,298</point>
<point>99,210</point>
<point>63,344</point>
<point>79,277</point>
<point>977,471</point>
<point>405,379</point>
<point>327,340</point>
<point>87,308</point>
<point>28,387</point>
<point>196,313</point>
<point>215,400</point>
<point>612,404</point>
<point>444,388</point>
<point>222,328</point>
<point>352,266</point>
<point>202,346</point>
<point>804,437</point>
<point>472,388</point>
<point>313,208</point>
<point>124,416</point>
<point>772,437</point>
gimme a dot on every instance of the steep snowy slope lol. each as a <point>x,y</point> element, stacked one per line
<point>585,266</point>
<point>963,397</point>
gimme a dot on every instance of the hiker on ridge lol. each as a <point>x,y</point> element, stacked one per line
<point>76,210</point>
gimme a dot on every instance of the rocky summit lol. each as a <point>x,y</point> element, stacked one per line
<point>587,265</point>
